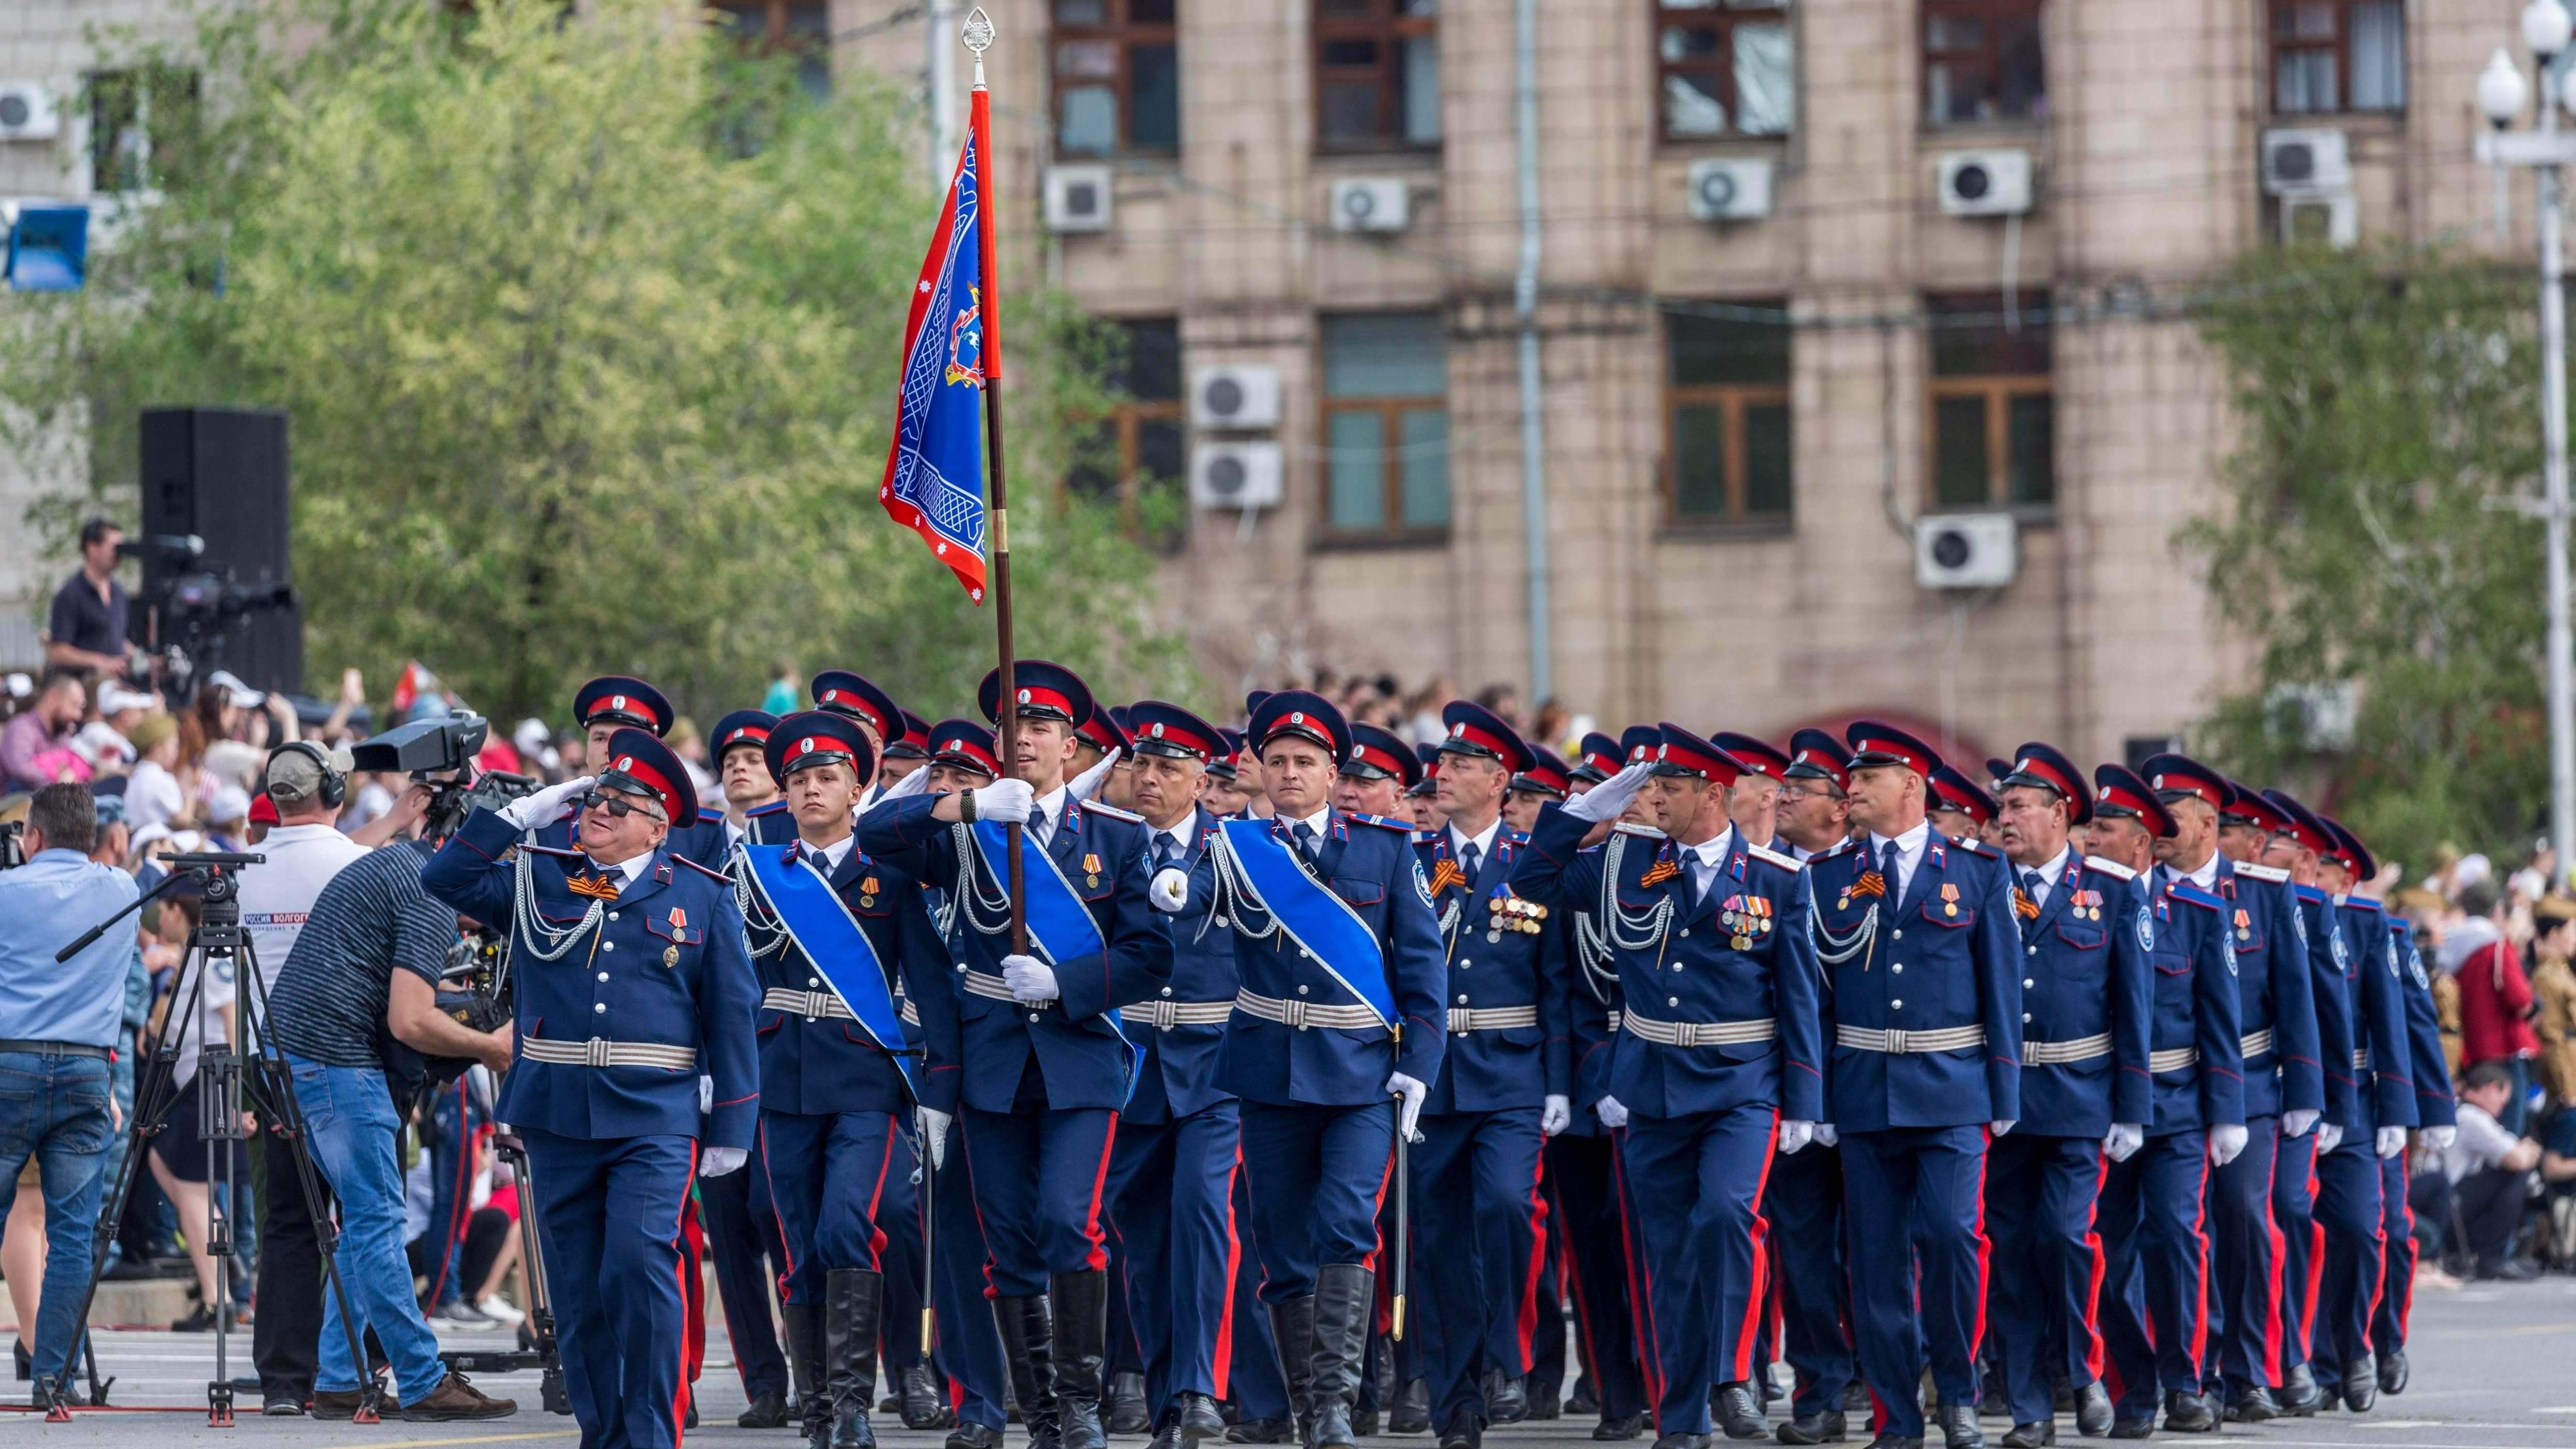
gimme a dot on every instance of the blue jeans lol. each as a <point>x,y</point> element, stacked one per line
<point>55,1108</point>
<point>349,1116</point>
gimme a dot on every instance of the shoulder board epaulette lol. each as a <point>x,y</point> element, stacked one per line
<point>1626,827</point>
<point>2362,903</point>
<point>2262,872</point>
<point>772,808</point>
<point>2184,890</point>
<point>557,852</point>
<point>1766,853</point>
<point>1112,811</point>
<point>1520,837</point>
<point>1972,845</point>
<point>2110,868</point>
<point>710,872</point>
<point>1382,822</point>
<point>2311,894</point>
<point>2400,923</point>
<point>1821,856</point>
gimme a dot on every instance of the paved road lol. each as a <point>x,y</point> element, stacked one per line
<point>2495,1368</point>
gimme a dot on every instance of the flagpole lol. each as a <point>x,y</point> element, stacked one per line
<point>977,36</point>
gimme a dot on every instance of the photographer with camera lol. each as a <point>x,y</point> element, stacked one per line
<point>85,630</point>
<point>63,1020</point>
<point>367,961</point>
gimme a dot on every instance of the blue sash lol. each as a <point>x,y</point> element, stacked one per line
<point>831,938</point>
<point>1318,920</point>
<point>1060,925</point>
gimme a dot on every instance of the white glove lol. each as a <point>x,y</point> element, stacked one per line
<point>2299,1121</point>
<point>1826,1136</point>
<point>2329,1137</point>
<point>1609,799</point>
<point>2002,1125</point>
<point>934,1131</point>
<point>1412,1093</point>
<point>1169,891</point>
<point>2440,1138</point>
<point>1030,979</point>
<point>907,787</point>
<point>717,1161</point>
<point>544,808</point>
<point>706,1095</point>
<point>1555,1115</point>
<point>2225,1141</point>
<point>2125,1139</point>
<point>1005,802</point>
<point>2389,1142</point>
<point>1612,1115</point>
<point>1794,1135</point>
<point>1086,786</point>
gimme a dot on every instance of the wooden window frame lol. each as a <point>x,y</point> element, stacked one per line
<point>1390,29</point>
<point>1997,393</point>
<point>1126,422</point>
<point>1121,35</point>
<point>1389,411</point>
<point>1733,398</point>
<point>1722,18</point>
<point>2340,47</point>
<point>1992,53</point>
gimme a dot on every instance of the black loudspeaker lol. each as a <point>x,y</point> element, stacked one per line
<point>219,474</point>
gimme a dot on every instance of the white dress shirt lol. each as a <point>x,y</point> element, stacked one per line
<point>1054,805</point>
<point>833,854</point>
<point>1706,858</point>
<point>2050,874</point>
<point>1909,856</point>
<point>1483,841</point>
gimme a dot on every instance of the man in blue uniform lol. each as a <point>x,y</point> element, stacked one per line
<point>1338,1010</point>
<point>611,703</point>
<point>1505,1085</point>
<point>1959,807</point>
<point>1542,777</point>
<point>1045,1066</point>
<point>835,1089</point>
<point>2284,1088</point>
<point>1373,781</point>
<point>2088,994</point>
<point>901,757</point>
<point>1171,1176</point>
<point>631,982</point>
<point>1719,1056</point>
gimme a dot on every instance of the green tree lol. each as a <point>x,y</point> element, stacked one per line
<point>2370,545</point>
<point>588,336</point>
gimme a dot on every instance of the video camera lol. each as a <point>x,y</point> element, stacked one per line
<point>195,600</point>
<point>435,753</point>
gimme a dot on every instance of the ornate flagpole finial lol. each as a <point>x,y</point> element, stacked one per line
<point>978,33</point>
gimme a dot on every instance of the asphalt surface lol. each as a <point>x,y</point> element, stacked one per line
<point>2494,1368</point>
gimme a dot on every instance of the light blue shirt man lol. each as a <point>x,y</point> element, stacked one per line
<point>44,905</point>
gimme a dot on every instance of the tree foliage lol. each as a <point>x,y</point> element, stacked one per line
<point>2369,541</point>
<point>587,329</point>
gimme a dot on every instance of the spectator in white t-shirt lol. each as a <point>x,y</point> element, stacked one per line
<point>2484,1179</point>
<point>154,796</point>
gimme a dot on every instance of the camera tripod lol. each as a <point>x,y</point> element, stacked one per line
<point>218,935</point>
<point>540,1353</point>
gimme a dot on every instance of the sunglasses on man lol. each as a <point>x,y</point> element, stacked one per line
<point>618,806</point>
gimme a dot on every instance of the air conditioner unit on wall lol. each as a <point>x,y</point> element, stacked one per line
<point>1235,397</point>
<point>2332,217</point>
<point>1236,475</point>
<point>1966,550</point>
<point>2303,159</point>
<point>1077,198</point>
<point>1371,203</point>
<point>27,112</point>
<point>1730,188</point>
<point>1985,183</point>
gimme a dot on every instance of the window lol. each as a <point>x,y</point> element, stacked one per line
<point>1135,456</point>
<point>1377,74</point>
<point>142,127</point>
<point>1386,425</point>
<point>1117,77</point>
<point>2331,56</point>
<point>1981,62</point>
<point>802,28</point>
<point>1725,67</point>
<point>1726,419</point>
<point>1994,423</point>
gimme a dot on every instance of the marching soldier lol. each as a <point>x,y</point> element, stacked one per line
<point>607,1089</point>
<point>2437,1109</point>
<point>903,756</point>
<point>1959,807</point>
<point>1754,801</point>
<point>611,703</point>
<point>1375,778</point>
<point>833,932</point>
<point>1171,1174</point>
<point>1505,1084</point>
<point>2088,997</point>
<point>1719,1056</point>
<point>1339,1007</point>
<point>743,774</point>
<point>1424,796</point>
<point>1546,778</point>
<point>1045,1067</point>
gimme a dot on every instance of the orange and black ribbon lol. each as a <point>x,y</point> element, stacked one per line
<point>1660,872</point>
<point>1444,874</point>
<point>1871,883</point>
<point>597,887</point>
<point>2024,906</point>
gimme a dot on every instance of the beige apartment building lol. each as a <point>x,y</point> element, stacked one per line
<point>1819,283</point>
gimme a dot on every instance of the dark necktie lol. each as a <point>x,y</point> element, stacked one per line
<point>1470,860</point>
<point>1304,835</point>
<point>1887,873</point>
<point>1166,850</point>
<point>1038,824</point>
<point>2031,885</point>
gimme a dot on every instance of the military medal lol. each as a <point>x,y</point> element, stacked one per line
<point>670,955</point>
<point>1949,899</point>
<point>868,892</point>
<point>1091,870</point>
<point>2243,928</point>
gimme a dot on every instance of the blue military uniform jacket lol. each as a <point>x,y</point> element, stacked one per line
<point>2321,936</point>
<point>1085,1059</point>
<point>1592,1009</point>
<point>2085,979</point>
<point>1738,955</point>
<point>665,966</point>
<point>2435,1103</point>
<point>1184,1063</point>
<point>1505,954</point>
<point>2196,1038</point>
<point>1940,959</point>
<point>1369,863</point>
<point>2383,1065</point>
<point>2276,1018</point>
<point>703,842</point>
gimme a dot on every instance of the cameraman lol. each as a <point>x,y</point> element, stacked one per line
<point>63,1019</point>
<point>368,960</point>
<point>85,630</point>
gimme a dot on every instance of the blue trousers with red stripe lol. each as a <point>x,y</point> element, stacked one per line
<point>1594,1235</point>
<point>2350,1210</point>
<point>1259,1391</point>
<point>2047,1261</point>
<point>1039,1175</point>
<point>1696,1185</point>
<point>2152,1309</point>
<point>1915,1198</point>
<point>609,1210</point>
<point>1804,1202</point>
<point>1317,1175</point>
<point>1171,1195</point>
<point>828,1177</point>
<point>742,1239</point>
<point>1477,1277</point>
<point>966,1348</point>
<point>2397,1280</point>
<point>2245,1298</point>
<point>2294,1212</point>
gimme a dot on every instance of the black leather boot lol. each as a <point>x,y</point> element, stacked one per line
<point>2253,1404</point>
<point>1124,1407</point>
<point>971,1435</point>
<point>805,1364</point>
<point>2299,1395</point>
<point>2361,1384</point>
<point>1292,1331</point>
<point>1959,1427</point>
<point>1739,1413</point>
<point>2093,1410</point>
<point>1825,1426</point>
<point>851,1299</point>
<point>1412,1411</point>
<point>2392,1370</point>
<point>1506,1400</point>
<point>1345,1299</point>
<point>1200,1419</point>
<point>923,1404</point>
<point>1081,1341</point>
<point>2037,1434</point>
<point>767,1410</point>
<point>1027,1329</point>
<point>2186,1414</point>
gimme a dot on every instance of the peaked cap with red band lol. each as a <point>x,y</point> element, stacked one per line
<point>1816,755</point>
<point>1679,752</point>
<point>1954,791</point>
<point>963,744</point>
<point>1597,758</point>
<point>1377,754</point>
<point>1222,763</point>
<point>640,764</point>
<point>1472,729</point>
<point>1173,732</point>
<point>745,727</point>
<point>624,700</point>
<point>1426,759</point>
<point>2042,766</point>
<point>2300,823</point>
<point>915,744</point>
<point>843,692</point>
<point>2247,805</point>
<point>1638,743</point>
<point>2117,790</point>
<point>1548,774</point>
<point>1100,729</point>
<point>2174,776</point>
<point>1047,691</point>
<point>1303,714</point>
<point>1874,742</point>
<point>1758,756</point>
<point>819,737</point>
<point>2355,856</point>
